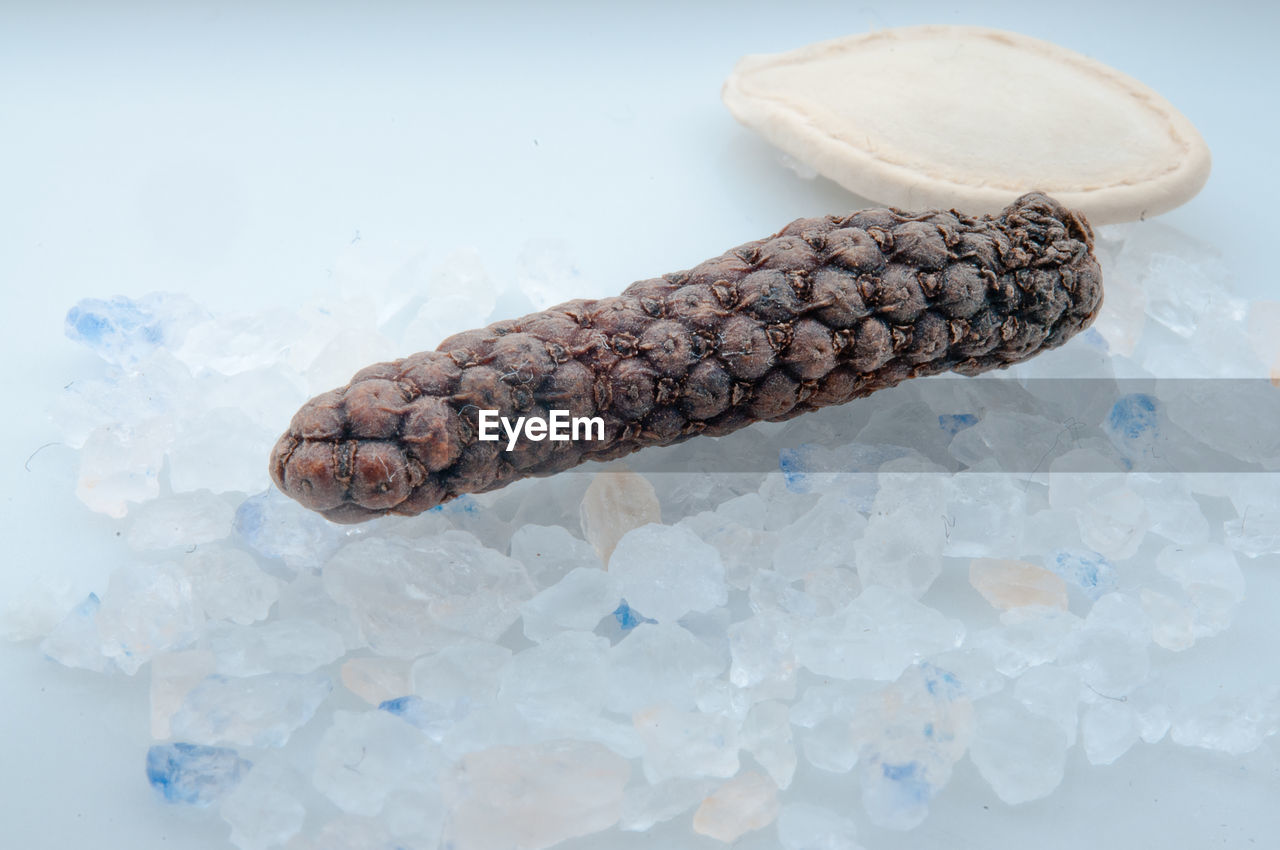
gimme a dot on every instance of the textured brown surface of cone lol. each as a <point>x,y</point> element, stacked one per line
<point>825,311</point>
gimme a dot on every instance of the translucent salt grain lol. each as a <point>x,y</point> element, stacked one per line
<point>264,810</point>
<point>902,545</point>
<point>805,826</point>
<point>376,680</point>
<point>121,464</point>
<point>645,805</point>
<point>173,675</point>
<point>1020,754</point>
<point>222,451</point>
<point>1108,729</point>
<point>148,608</point>
<point>280,646</point>
<point>743,804</point>
<point>658,662</point>
<point>664,572</point>
<point>412,597</point>
<point>255,711</point>
<point>1012,584</point>
<point>1172,620</point>
<point>808,542</point>
<point>185,519</point>
<point>194,775</point>
<point>364,757</point>
<point>1229,724</point>
<point>1256,530</point>
<point>275,526</point>
<point>565,671</point>
<point>76,641</point>
<point>1212,580</point>
<point>614,504</point>
<point>877,637</point>
<point>533,796</point>
<point>124,330</point>
<point>227,584</point>
<point>550,552</point>
<point>467,672</point>
<point>1026,637</point>
<point>1054,693</point>
<point>982,513</point>
<point>578,601</point>
<point>682,744</point>
<point>766,734</point>
<point>764,659</point>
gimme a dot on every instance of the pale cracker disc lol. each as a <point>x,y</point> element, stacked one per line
<point>971,118</point>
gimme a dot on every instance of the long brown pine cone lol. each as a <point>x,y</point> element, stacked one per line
<point>827,310</point>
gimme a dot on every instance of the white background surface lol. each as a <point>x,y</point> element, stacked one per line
<point>234,151</point>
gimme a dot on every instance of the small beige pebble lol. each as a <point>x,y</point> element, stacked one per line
<point>615,503</point>
<point>969,117</point>
<point>1014,584</point>
<point>743,804</point>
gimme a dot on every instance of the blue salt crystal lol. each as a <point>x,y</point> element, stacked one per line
<point>275,526</point>
<point>954,423</point>
<point>194,775</point>
<point>910,780</point>
<point>1084,568</point>
<point>124,330</point>
<point>1133,426</point>
<point>628,618</point>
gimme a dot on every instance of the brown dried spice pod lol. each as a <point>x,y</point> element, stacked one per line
<point>828,310</point>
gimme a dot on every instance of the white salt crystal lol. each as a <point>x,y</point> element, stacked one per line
<point>280,646</point>
<point>614,504</point>
<point>173,675</point>
<point>1021,755</point>
<point>275,526</point>
<point>550,552</point>
<point>578,601</point>
<point>1111,650</point>
<point>1175,515</point>
<point>1054,693</point>
<point>148,608</point>
<point>185,519</point>
<point>659,663</point>
<point>256,711</point>
<point>1172,620</point>
<point>121,464</point>
<point>902,545</point>
<point>376,680</point>
<point>831,588</point>
<point>983,515</point>
<point>264,810</point>
<point>1114,523</point>
<point>456,295</point>
<point>227,584</point>
<point>76,641</point>
<point>664,572</point>
<point>1026,637</point>
<point>364,757</point>
<point>1016,441</point>
<point>220,450</point>
<point>1012,584</point>
<point>412,597</point>
<point>1230,724</point>
<point>1257,501</point>
<point>546,272</point>
<point>771,592</point>
<point>805,826</point>
<point>565,671</point>
<point>744,804</point>
<point>766,734</point>
<point>533,796</point>
<point>809,542</point>
<point>877,637</point>
<point>1109,728</point>
<point>466,671</point>
<point>681,743</point>
<point>644,805</point>
<point>1212,579</point>
<point>305,598</point>
<point>763,657</point>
